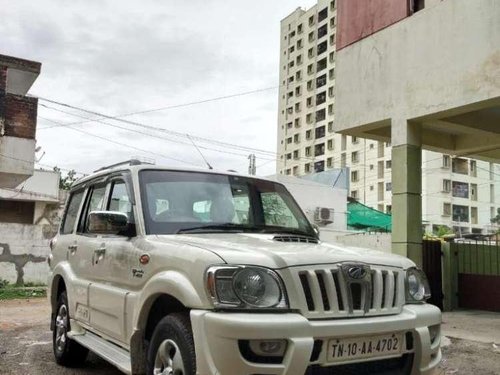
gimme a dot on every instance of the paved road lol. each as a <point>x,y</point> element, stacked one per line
<point>26,347</point>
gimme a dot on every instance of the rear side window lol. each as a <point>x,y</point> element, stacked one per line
<point>71,213</point>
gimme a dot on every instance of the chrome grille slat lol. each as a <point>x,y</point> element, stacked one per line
<point>326,292</point>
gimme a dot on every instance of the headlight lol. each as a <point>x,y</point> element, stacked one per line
<point>245,287</point>
<point>417,286</point>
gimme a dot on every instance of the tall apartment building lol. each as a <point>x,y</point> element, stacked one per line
<point>459,193</point>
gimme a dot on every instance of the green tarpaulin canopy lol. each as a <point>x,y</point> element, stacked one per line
<point>362,217</point>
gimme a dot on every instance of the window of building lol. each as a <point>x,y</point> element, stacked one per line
<point>319,166</point>
<point>290,94</point>
<point>297,122</point>
<point>331,56</point>
<point>296,154</point>
<point>322,31</point>
<point>309,118</point>
<point>311,37</point>
<point>296,138</point>
<point>331,92</point>
<point>290,79</point>
<point>288,171</point>
<point>331,73</point>
<point>321,98</point>
<point>309,101</point>
<point>473,168</point>
<point>354,176</point>
<point>307,167</point>
<point>289,140</point>
<point>330,109</point>
<point>372,187</point>
<point>321,81</point>
<point>330,127</point>
<point>446,161</point>
<point>295,171</point>
<point>354,140</point>
<point>332,22</point>
<point>319,132</point>
<point>298,75</point>
<point>320,115</point>
<point>473,192</point>
<point>298,91</point>
<point>355,157</point>
<point>355,194</point>
<point>459,165</point>
<point>332,39</point>
<point>307,151</point>
<point>388,164</point>
<point>460,189</point>
<point>310,52</point>
<point>446,186</point>
<point>446,209</point>
<point>329,162</point>
<point>292,34</point>
<point>297,107</point>
<point>291,49</point>
<point>288,156</point>
<point>311,20</point>
<point>460,213</point>
<point>321,65</point>
<point>289,110</point>
<point>299,59</point>
<point>372,167</point>
<point>310,85</point>
<point>291,64</point>
<point>310,69</point>
<point>300,28</point>
<point>322,47</point>
<point>289,125</point>
<point>329,144</point>
<point>323,14</point>
<point>20,212</point>
<point>388,186</point>
<point>319,149</point>
<point>308,134</point>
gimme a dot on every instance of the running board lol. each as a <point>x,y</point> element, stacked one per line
<point>110,352</point>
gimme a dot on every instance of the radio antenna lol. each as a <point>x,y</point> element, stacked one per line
<point>203,156</point>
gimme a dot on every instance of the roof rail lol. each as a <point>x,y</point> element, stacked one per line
<point>126,162</point>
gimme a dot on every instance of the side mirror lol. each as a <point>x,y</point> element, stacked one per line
<point>107,222</point>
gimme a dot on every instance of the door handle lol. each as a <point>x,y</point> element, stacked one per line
<point>98,255</point>
<point>72,249</point>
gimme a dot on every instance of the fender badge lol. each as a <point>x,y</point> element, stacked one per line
<point>144,259</point>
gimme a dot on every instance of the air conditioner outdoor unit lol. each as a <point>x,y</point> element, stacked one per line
<point>323,215</point>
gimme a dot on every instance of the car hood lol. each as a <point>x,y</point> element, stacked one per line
<point>263,250</point>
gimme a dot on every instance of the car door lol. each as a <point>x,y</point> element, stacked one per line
<point>67,241</point>
<point>81,256</point>
<point>112,268</point>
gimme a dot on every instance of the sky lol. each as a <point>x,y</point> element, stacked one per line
<point>117,57</point>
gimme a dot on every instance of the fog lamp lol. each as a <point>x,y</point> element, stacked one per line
<point>434,332</point>
<point>268,348</point>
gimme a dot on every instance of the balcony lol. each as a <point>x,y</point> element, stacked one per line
<point>18,115</point>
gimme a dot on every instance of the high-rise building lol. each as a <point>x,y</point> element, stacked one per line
<point>459,193</point>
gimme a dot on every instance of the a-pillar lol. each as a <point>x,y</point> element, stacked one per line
<point>407,189</point>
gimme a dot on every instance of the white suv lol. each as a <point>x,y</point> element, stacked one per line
<point>184,272</point>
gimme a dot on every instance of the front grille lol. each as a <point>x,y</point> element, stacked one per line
<point>330,292</point>
<point>394,366</point>
<point>294,238</point>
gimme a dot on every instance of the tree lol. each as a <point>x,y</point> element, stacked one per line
<point>65,182</point>
<point>496,219</point>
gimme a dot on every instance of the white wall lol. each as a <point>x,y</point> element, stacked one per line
<point>24,249</point>
<point>374,241</point>
<point>310,195</point>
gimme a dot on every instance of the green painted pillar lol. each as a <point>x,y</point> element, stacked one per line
<point>407,190</point>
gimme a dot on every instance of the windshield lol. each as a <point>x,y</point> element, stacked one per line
<point>182,202</point>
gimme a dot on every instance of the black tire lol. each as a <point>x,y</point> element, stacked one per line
<point>173,333</point>
<point>66,351</point>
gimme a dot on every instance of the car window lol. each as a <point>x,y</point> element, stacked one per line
<point>276,211</point>
<point>71,212</point>
<point>119,199</point>
<point>94,203</point>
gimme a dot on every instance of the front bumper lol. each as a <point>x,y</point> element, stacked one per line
<point>217,334</point>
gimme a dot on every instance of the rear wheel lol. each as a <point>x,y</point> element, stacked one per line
<point>66,351</point>
<point>171,351</point>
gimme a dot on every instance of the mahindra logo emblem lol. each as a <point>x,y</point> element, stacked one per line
<point>356,272</point>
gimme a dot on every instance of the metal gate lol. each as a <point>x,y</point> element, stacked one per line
<point>478,274</point>
<point>432,266</point>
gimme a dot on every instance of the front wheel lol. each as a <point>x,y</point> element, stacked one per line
<point>171,351</point>
<point>66,351</point>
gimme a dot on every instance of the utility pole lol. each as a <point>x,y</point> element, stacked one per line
<point>252,169</point>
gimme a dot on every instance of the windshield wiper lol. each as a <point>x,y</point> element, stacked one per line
<point>213,227</point>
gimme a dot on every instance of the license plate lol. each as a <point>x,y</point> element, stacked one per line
<point>347,349</point>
